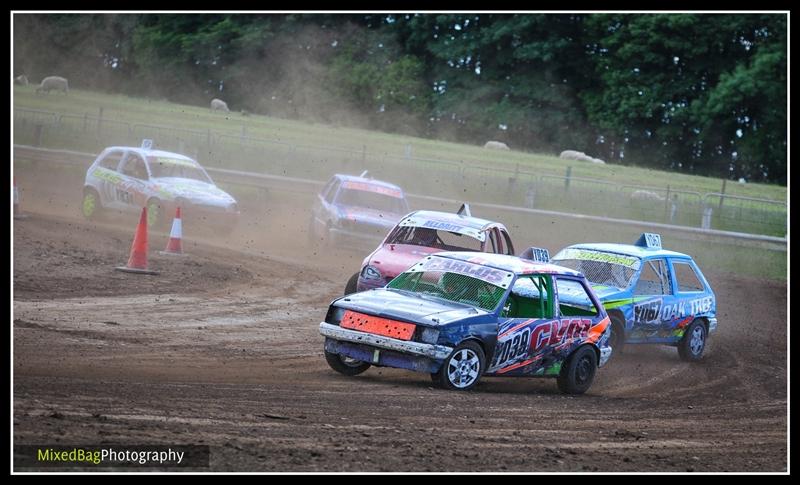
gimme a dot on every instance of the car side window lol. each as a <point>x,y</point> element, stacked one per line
<point>111,160</point>
<point>332,191</point>
<point>574,299</point>
<point>653,279</point>
<point>134,167</point>
<point>530,297</point>
<point>686,277</point>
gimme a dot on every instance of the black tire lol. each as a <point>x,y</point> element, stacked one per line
<point>345,365</point>
<point>352,285</point>
<point>617,338</point>
<point>91,205</point>
<point>578,372</point>
<point>468,357</point>
<point>693,343</point>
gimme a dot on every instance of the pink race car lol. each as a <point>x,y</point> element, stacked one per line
<point>423,232</point>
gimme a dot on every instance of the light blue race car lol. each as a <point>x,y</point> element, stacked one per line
<point>653,296</point>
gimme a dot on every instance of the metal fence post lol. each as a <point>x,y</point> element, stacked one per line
<point>100,120</point>
<point>722,194</point>
<point>567,177</point>
<point>530,196</point>
<point>37,134</point>
<point>707,212</point>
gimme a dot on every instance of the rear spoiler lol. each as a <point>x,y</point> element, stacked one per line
<point>539,255</point>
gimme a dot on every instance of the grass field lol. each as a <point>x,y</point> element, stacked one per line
<point>141,110</point>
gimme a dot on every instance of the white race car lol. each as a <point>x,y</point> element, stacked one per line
<point>129,178</point>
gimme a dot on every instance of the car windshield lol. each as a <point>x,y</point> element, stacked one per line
<point>432,238</point>
<point>174,167</point>
<point>600,267</point>
<point>453,287</point>
<point>372,200</point>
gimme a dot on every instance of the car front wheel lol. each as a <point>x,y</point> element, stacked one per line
<point>617,337</point>
<point>91,206</point>
<point>577,373</point>
<point>693,343</point>
<point>352,285</point>
<point>345,365</point>
<point>462,368</point>
<point>155,214</point>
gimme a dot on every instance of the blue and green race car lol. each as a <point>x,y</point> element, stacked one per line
<point>652,295</point>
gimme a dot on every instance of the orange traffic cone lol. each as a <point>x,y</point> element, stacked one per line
<point>175,235</point>
<point>137,263</point>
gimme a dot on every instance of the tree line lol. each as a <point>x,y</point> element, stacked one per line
<point>695,93</point>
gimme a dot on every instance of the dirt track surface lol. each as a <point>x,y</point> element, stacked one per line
<point>222,348</point>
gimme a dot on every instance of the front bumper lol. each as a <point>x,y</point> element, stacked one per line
<point>431,351</point>
<point>346,237</point>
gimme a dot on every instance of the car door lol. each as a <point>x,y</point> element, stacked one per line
<point>107,177</point>
<point>526,315</point>
<point>692,296</point>
<point>654,303</point>
<point>131,192</point>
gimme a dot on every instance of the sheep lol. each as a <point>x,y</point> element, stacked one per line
<point>496,145</point>
<point>21,80</point>
<point>219,105</point>
<point>53,82</point>
<point>580,156</point>
<point>646,195</point>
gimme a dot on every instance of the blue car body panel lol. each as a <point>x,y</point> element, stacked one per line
<point>512,346</point>
<point>660,318</point>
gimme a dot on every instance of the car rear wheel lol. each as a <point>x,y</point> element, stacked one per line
<point>155,214</point>
<point>578,373</point>
<point>693,343</point>
<point>462,369</point>
<point>352,285</point>
<point>91,205</point>
<point>345,365</point>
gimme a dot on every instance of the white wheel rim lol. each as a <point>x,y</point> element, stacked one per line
<point>463,368</point>
<point>698,340</point>
<point>349,361</point>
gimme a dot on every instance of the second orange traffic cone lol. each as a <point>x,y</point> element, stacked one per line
<point>175,235</point>
<point>137,262</point>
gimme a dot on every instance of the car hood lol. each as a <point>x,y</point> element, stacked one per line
<point>610,293</point>
<point>404,306</point>
<point>195,191</point>
<point>366,215</point>
<point>393,259</point>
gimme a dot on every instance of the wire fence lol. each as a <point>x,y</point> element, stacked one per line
<point>444,178</point>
